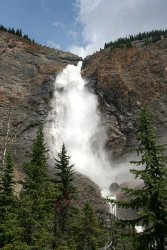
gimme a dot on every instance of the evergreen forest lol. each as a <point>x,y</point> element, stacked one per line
<point>140,39</point>
<point>45,215</point>
<point>17,32</point>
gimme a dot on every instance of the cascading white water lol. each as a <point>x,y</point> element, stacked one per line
<point>74,120</point>
<point>113,208</point>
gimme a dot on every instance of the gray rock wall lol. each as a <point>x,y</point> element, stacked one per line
<point>124,80</point>
<point>27,72</point>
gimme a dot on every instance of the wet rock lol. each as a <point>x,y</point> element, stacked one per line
<point>114,187</point>
<point>89,191</point>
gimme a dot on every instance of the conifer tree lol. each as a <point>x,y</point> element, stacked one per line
<point>6,187</point>
<point>10,231</point>
<point>151,199</point>
<point>7,179</point>
<point>89,234</point>
<point>65,175</point>
<point>6,194</point>
<point>65,197</point>
<point>36,198</point>
<point>36,171</point>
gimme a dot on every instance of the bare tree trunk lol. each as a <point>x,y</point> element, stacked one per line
<point>9,137</point>
<point>6,140</point>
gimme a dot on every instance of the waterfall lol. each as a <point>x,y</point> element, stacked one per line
<point>106,193</point>
<point>74,119</point>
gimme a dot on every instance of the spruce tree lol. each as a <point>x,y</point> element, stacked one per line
<point>6,194</point>
<point>7,180</point>
<point>37,171</point>
<point>151,199</point>
<point>36,198</point>
<point>88,229</point>
<point>65,197</point>
<point>90,233</point>
<point>65,175</point>
<point>10,231</point>
<point>6,187</point>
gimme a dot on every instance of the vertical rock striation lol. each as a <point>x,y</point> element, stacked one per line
<point>27,72</point>
<point>124,79</point>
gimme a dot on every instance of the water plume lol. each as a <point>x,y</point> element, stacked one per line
<point>75,120</point>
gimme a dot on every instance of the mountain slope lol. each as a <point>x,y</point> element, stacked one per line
<point>124,79</point>
<point>27,72</point>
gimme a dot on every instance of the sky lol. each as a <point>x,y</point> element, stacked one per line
<point>82,26</point>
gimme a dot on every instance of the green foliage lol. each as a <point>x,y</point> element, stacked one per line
<point>6,187</point>
<point>37,171</point>
<point>146,37</point>
<point>36,198</point>
<point>65,175</point>
<point>12,236</point>
<point>10,232</point>
<point>7,180</point>
<point>44,215</point>
<point>6,195</point>
<point>65,197</point>
<point>90,232</point>
<point>151,200</point>
<point>17,32</point>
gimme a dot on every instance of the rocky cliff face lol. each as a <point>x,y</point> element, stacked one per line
<point>27,72</point>
<point>124,80</point>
